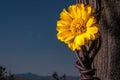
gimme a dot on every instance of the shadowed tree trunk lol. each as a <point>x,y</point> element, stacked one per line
<point>107,61</point>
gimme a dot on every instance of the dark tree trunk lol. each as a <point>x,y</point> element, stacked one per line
<point>107,61</point>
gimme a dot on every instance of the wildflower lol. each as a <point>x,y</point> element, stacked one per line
<point>77,26</point>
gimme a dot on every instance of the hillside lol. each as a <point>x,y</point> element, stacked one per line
<point>31,76</point>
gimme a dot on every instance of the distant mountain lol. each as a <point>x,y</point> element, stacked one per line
<point>31,76</point>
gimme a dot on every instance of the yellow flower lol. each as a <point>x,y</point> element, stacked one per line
<point>77,26</point>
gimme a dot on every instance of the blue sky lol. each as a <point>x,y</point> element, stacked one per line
<point>28,40</point>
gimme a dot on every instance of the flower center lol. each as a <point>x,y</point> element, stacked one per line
<point>78,26</point>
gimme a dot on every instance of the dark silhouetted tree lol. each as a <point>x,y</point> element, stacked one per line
<point>63,77</point>
<point>4,76</point>
<point>2,73</point>
<point>56,76</point>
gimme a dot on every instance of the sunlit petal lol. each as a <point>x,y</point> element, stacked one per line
<point>92,20</point>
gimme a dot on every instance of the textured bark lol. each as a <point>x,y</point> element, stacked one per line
<point>107,61</point>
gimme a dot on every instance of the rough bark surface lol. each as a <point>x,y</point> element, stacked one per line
<point>107,61</point>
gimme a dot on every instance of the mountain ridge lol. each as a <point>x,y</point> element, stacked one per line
<point>32,76</point>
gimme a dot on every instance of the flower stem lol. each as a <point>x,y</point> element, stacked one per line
<point>85,60</point>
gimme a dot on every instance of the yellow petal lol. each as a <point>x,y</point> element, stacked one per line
<point>89,10</point>
<point>79,10</point>
<point>81,6</point>
<point>83,13</point>
<point>65,16</point>
<point>72,46</point>
<point>67,39</point>
<point>87,35</point>
<point>73,10</point>
<point>91,21</point>
<point>92,36</point>
<point>79,40</point>
<point>61,35</point>
<point>62,28</point>
<point>62,23</point>
<point>65,36</point>
<point>86,38</point>
<point>92,30</point>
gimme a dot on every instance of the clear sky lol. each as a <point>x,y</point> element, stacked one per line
<point>28,40</point>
